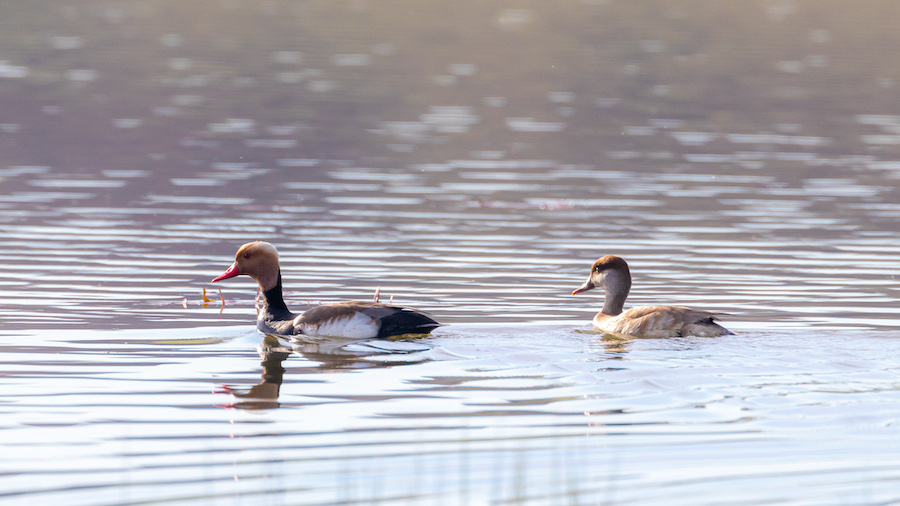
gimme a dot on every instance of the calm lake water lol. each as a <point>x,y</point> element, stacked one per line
<point>471,160</point>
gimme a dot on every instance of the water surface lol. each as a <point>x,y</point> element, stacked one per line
<point>742,158</point>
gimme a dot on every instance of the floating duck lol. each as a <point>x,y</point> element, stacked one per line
<point>354,319</point>
<point>612,275</point>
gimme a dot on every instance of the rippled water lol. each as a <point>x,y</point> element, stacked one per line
<point>744,162</point>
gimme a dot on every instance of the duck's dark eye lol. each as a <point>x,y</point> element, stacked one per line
<point>246,254</point>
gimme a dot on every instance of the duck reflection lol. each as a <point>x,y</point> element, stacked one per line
<point>617,347</point>
<point>322,355</point>
<point>617,344</point>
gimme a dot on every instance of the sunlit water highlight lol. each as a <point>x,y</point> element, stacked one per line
<point>503,413</point>
<point>744,163</point>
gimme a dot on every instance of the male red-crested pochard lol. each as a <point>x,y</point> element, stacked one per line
<point>612,275</point>
<point>353,319</point>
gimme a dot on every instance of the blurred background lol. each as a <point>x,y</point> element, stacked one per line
<point>471,158</point>
<point>175,86</point>
<point>436,144</point>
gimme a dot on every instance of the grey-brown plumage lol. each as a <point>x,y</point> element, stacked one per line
<point>611,273</point>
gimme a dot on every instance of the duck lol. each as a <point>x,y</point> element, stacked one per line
<point>612,275</point>
<point>352,319</point>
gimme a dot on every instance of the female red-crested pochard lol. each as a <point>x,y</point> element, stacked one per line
<point>354,319</point>
<point>612,275</point>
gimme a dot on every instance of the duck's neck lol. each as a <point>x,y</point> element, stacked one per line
<point>616,286</point>
<point>614,303</point>
<point>275,308</point>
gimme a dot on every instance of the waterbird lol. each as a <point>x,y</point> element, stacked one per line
<point>353,319</point>
<point>612,275</point>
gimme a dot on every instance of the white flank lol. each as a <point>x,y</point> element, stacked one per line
<point>357,326</point>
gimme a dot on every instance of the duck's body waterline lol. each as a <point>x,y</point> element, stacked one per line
<point>611,273</point>
<point>354,319</point>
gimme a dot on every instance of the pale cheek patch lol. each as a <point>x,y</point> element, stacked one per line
<point>358,326</point>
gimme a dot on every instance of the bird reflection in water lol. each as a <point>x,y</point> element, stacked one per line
<point>617,347</point>
<point>614,343</point>
<point>321,355</point>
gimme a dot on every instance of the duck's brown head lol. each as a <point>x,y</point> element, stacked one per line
<point>607,272</point>
<point>259,260</point>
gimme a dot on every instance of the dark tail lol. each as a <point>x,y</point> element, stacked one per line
<point>406,321</point>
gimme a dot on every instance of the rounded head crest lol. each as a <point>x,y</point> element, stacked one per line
<point>255,248</point>
<point>609,262</point>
